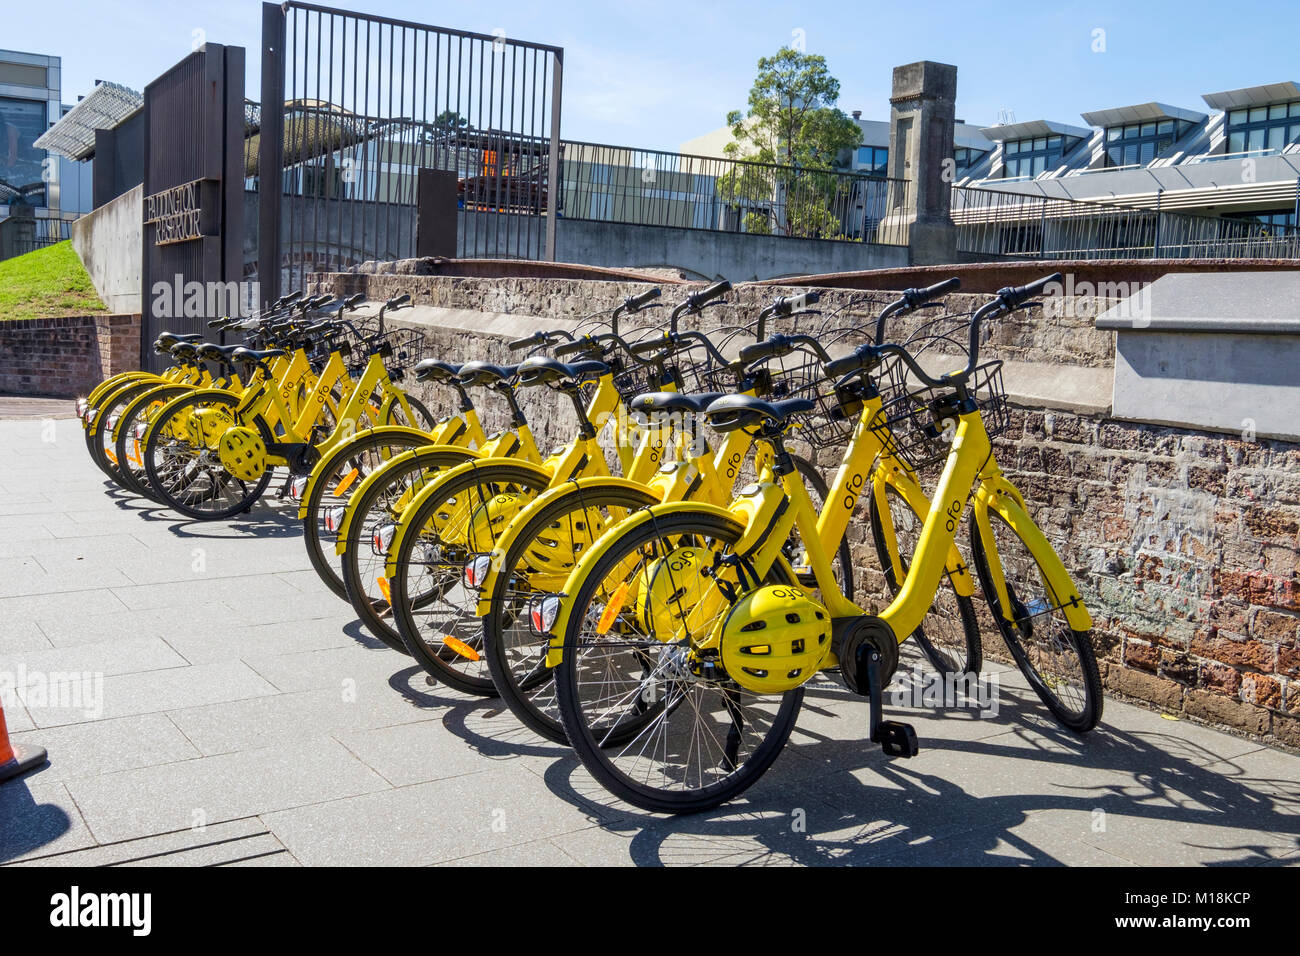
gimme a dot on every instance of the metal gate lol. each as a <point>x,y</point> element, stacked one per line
<point>193,229</point>
<point>365,103</point>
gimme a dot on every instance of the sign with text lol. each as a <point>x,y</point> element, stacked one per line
<point>178,214</point>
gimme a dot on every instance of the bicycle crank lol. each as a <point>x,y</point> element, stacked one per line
<point>868,653</point>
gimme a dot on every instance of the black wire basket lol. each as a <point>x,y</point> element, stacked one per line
<point>401,349</point>
<point>917,422</point>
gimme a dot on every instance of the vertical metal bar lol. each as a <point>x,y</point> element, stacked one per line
<point>553,165</point>
<point>270,160</point>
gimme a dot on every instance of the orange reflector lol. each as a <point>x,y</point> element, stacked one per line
<point>615,605</point>
<point>111,455</point>
<point>383,588</point>
<point>460,647</point>
<point>346,482</point>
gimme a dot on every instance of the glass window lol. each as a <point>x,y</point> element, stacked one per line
<point>1166,126</point>
<point>21,122</point>
<point>1114,133</point>
<point>1053,142</point>
<point>1263,127</point>
<point>1040,143</point>
<point>1148,152</point>
<point>1148,129</point>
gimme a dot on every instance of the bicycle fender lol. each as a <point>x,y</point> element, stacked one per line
<point>517,524</point>
<point>381,473</point>
<point>435,487</point>
<point>202,392</point>
<point>554,653</point>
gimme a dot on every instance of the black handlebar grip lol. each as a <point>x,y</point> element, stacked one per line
<point>535,339</point>
<point>568,348</point>
<point>635,302</point>
<point>1014,297</point>
<point>397,301</point>
<point>649,345</point>
<point>213,323</point>
<point>845,364</point>
<point>940,288</point>
<point>352,301</point>
<point>699,299</point>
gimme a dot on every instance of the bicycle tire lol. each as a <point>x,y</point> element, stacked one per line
<point>442,663</point>
<point>598,760</point>
<point>1077,645</point>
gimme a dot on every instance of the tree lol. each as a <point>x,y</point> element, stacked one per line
<point>792,118</point>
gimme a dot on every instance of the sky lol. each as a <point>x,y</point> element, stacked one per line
<point>655,74</point>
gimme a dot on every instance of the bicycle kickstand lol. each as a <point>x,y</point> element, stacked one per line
<point>896,738</point>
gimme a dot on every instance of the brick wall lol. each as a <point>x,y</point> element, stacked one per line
<point>1185,544</point>
<point>68,356</point>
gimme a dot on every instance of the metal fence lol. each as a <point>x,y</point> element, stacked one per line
<point>363,103</point>
<point>655,188</point>
<point>1016,225</point>
<point>23,234</point>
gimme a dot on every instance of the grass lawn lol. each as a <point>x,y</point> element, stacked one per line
<point>46,283</point>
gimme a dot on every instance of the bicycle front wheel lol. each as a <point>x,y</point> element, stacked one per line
<point>652,726</point>
<point>1057,660</point>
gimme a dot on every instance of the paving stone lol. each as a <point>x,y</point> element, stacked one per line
<point>136,803</point>
<point>427,823</point>
<point>105,746</point>
<point>263,721</point>
<point>158,691</point>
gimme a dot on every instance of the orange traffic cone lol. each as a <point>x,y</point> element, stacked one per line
<point>15,758</point>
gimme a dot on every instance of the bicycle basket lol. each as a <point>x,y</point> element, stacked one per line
<point>917,422</point>
<point>401,349</point>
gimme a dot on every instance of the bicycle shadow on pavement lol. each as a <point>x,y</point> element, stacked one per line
<point>842,802</point>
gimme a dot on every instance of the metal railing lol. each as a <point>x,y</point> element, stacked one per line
<point>1017,225</point>
<point>615,184</point>
<point>23,234</point>
<point>647,187</point>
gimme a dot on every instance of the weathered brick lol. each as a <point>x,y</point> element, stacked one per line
<point>1219,709</point>
<point>1158,690</point>
<point>1245,653</point>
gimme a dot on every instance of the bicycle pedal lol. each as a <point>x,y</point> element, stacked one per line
<point>897,739</point>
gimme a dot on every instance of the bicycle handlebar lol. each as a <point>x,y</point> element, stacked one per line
<point>696,302</point>
<point>911,300</point>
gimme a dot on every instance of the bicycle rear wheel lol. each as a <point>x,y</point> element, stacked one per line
<point>433,609</point>
<point>1057,660</point>
<point>641,715</point>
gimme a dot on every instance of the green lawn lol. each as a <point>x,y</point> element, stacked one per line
<point>46,283</point>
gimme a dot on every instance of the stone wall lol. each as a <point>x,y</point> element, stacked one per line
<point>1184,543</point>
<point>66,357</point>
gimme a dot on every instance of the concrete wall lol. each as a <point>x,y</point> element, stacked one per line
<point>108,241</point>
<point>1186,545</point>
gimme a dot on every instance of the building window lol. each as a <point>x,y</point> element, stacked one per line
<point>1264,127</point>
<point>1273,220</point>
<point>873,160</point>
<point>21,163</point>
<point>1140,143</point>
<point>965,158</point>
<point>1030,157</point>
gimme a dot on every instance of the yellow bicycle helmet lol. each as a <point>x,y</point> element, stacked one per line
<point>243,453</point>
<point>673,585</point>
<point>775,638</point>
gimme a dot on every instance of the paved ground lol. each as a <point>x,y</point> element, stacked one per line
<point>235,714</point>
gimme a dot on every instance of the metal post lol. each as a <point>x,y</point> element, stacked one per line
<point>1155,253</point>
<point>553,163</point>
<point>270,161</point>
